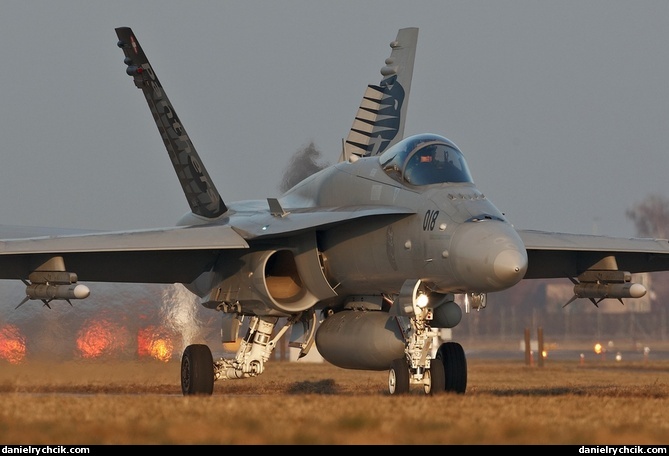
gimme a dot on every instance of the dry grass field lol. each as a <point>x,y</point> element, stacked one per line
<point>507,402</point>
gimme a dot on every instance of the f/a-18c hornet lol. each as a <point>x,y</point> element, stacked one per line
<point>365,258</point>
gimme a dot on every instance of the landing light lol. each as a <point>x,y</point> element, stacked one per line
<point>421,300</point>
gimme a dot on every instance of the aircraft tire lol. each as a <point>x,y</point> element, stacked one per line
<point>398,377</point>
<point>197,370</point>
<point>437,383</point>
<point>453,358</point>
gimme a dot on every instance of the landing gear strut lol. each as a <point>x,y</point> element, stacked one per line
<point>199,371</point>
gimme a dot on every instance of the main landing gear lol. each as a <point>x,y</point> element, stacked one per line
<point>199,371</point>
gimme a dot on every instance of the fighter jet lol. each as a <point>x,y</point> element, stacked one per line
<point>366,259</point>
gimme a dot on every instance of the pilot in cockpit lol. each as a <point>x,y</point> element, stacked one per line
<point>421,167</point>
<point>425,160</point>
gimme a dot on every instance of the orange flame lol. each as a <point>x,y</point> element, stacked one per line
<point>154,342</point>
<point>12,344</point>
<point>98,338</point>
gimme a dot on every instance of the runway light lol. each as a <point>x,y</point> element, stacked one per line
<point>598,348</point>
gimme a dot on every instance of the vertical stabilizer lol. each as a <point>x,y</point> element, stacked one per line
<point>203,198</point>
<point>379,122</point>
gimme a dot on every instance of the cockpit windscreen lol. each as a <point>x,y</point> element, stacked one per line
<point>425,160</point>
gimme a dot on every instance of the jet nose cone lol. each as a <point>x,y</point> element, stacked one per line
<point>510,266</point>
<point>488,256</point>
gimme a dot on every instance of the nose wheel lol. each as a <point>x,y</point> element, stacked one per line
<point>398,377</point>
<point>436,378</point>
<point>452,357</point>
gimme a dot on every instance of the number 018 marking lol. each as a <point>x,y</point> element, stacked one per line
<point>430,220</point>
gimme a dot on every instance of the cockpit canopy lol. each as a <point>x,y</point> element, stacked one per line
<point>425,159</point>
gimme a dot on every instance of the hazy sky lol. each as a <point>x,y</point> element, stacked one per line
<point>561,108</point>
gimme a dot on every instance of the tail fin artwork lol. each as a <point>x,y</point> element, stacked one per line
<point>379,122</point>
<point>203,198</point>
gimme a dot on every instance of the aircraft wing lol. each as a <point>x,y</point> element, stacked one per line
<point>554,255</point>
<point>20,231</point>
<point>166,255</point>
